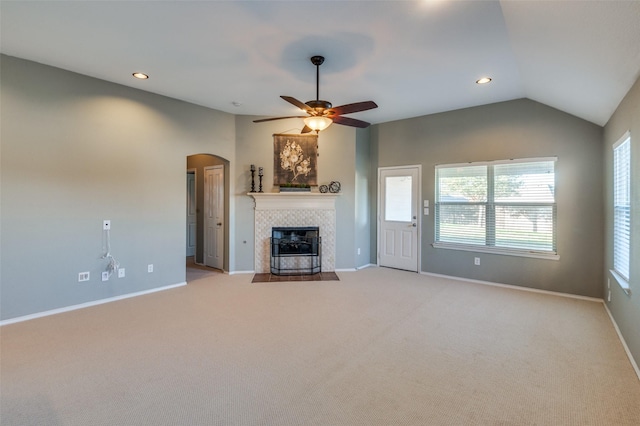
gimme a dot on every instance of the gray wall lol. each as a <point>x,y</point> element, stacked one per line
<point>363,198</point>
<point>337,153</point>
<point>77,150</point>
<point>625,308</point>
<point>515,129</point>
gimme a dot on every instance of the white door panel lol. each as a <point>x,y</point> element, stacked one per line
<point>389,245</point>
<point>408,251</point>
<point>214,217</point>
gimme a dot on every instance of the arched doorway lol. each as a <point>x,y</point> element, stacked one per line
<point>206,222</point>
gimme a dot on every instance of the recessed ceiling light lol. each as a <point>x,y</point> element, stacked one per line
<point>141,76</point>
<point>484,80</point>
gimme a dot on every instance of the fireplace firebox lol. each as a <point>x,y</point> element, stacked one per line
<point>296,250</point>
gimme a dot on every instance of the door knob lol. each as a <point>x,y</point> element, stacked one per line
<point>414,225</point>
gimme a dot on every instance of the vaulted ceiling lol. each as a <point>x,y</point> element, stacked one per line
<point>411,57</point>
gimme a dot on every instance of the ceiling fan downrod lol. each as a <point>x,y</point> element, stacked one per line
<point>319,105</point>
<point>317,61</point>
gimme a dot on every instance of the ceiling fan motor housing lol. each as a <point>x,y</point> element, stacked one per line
<point>319,106</point>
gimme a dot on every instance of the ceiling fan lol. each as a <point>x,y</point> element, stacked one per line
<point>320,113</point>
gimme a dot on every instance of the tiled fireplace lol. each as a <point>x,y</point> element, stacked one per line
<point>300,209</point>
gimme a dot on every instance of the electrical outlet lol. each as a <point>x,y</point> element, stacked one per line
<point>476,261</point>
<point>105,276</point>
<point>150,268</point>
<point>106,225</point>
<point>358,251</point>
<point>121,273</point>
<point>83,276</point>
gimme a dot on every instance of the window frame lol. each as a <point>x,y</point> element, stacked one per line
<point>491,205</point>
<point>621,277</point>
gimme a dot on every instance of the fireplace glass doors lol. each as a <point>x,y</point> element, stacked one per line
<point>296,250</point>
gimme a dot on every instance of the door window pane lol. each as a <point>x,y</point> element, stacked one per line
<point>397,192</point>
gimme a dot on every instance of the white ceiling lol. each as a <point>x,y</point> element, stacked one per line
<point>411,57</point>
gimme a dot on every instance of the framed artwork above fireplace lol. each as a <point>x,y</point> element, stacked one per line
<point>295,160</point>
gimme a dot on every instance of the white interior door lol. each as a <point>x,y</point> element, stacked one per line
<point>399,224</point>
<point>214,216</point>
<point>191,214</point>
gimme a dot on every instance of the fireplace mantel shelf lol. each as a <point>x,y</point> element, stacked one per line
<point>293,194</point>
<point>294,200</point>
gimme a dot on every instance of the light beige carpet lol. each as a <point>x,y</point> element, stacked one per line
<point>378,347</point>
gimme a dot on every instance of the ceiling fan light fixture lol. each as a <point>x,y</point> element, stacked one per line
<point>317,123</point>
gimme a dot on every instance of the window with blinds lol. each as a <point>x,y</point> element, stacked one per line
<point>622,206</point>
<point>501,206</point>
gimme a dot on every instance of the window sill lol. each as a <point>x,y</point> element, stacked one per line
<point>624,284</point>
<point>496,250</point>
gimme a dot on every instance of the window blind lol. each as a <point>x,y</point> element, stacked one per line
<point>622,206</point>
<point>504,205</point>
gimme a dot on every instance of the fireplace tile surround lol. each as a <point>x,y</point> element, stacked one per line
<point>294,209</point>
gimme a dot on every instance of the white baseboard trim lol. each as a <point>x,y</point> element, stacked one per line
<point>624,343</point>
<point>343,270</point>
<point>87,304</point>
<point>516,287</point>
<point>241,272</point>
<point>368,265</point>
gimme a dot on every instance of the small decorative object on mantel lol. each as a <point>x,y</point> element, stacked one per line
<point>324,189</point>
<point>260,174</point>
<point>295,187</point>
<point>253,178</point>
<point>334,187</point>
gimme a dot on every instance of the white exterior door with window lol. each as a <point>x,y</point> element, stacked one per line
<point>398,220</point>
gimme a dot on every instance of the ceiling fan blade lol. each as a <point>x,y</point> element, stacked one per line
<point>346,121</point>
<point>306,129</point>
<point>279,118</point>
<point>297,103</point>
<point>355,107</point>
